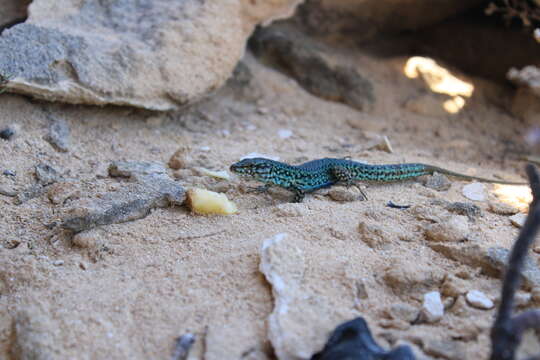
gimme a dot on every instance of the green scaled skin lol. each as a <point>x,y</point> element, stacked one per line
<point>322,173</point>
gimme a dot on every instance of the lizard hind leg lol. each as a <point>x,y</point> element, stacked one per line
<point>345,176</point>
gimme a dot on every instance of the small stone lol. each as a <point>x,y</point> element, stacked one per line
<point>501,208</point>
<point>518,220</point>
<point>437,182</point>
<point>284,133</point>
<point>6,191</point>
<point>83,265</point>
<point>452,229</point>
<point>58,135</point>
<point>60,192</point>
<point>46,174</point>
<point>8,132</point>
<point>89,239</point>
<point>479,300</point>
<point>135,168</point>
<point>453,286</point>
<point>474,191</point>
<point>345,194</point>
<point>446,349</point>
<point>58,262</point>
<point>9,173</point>
<point>432,308</point>
<point>462,208</point>
<point>181,159</point>
<point>290,210</point>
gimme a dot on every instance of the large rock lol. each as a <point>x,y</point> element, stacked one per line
<point>154,54</point>
<point>365,18</point>
<point>12,11</point>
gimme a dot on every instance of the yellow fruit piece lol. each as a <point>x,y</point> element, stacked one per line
<point>203,201</point>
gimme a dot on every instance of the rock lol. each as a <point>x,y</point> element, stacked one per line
<point>59,192</point>
<point>89,239</point>
<point>446,349</point>
<point>402,311</point>
<point>368,18</point>
<point>518,220</point>
<point>454,228</point>
<point>479,300</point>
<point>345,194</point>
<point>58,135</point>
<point>303,59</point>
<point>183,346</point>
<point>298,324</point>
<point>353,340</point>
<point>290,210</point>
<point>8,132</point>
<point>437,182</point>
<point>470,210</point>
<point>474,191</point>
<point>181,158</point>
<point>8,173</point>
<point>133,201</point>
<point>12,11</point>
<point>406,278</point>
<point>46,174</point>
<point>7,191</point>
<point>375,235</point>
<point>31,192</point>
<point>432,308</point>
<point>284,133</point>
<point>453,286</point>
<point>501,208</point>
<point>529,76</point>
<point>102,53</point>
<point>136,168</point>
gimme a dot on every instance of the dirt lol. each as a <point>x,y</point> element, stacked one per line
<point>136,286</point>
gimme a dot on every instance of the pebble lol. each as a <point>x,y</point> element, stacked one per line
<point>88,239</point>
<point>501,208</point>
<point>58,262</point>
<point>518,220</point>
<point>452,229</point>
<point>432,307</point>
<point>479,300</point>
<point>180,159</point>
<point>344,194</point>
<point>462,208</point>
<point>9,173</point>
<point>437,182</point>
<point>284,133</point>
<point>474,191</point>
<point>45,174</point>
<point>58,135</point>
<point>7,191</point>
<point>8,132</point>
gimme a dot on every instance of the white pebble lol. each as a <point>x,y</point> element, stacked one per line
<point>432,308</point>
<point>284,133</point>
<point>58,262</point>
<point>474,191</point>
<point>518,220</point>
<point>479,300</point>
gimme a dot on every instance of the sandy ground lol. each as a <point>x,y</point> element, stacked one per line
<point>141,284</point>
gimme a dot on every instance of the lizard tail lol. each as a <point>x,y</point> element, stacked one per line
<point>432,169</point>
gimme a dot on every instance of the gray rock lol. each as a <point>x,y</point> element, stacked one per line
<point>432,307</point>
<point>152,54</point>
<point>12,11</point>
<point>136,168</point>
<point>461,208</point>
<point>46,174</point>
<point>303,59</point>
<point>58,135</point>
<point>498,259</point>
<point>437,182</point>
<point>133,201</point>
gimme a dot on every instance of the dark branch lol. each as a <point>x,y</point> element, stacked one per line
<point>506,332</point>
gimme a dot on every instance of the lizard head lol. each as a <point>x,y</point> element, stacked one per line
<point>258,168</point>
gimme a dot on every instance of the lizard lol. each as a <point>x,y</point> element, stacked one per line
<point>316,174</point>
